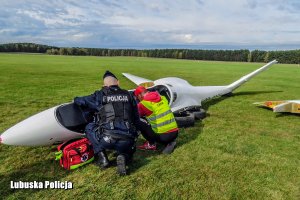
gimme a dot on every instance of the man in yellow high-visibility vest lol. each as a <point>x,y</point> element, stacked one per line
<point>160,126</point>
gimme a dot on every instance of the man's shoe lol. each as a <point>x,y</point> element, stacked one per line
<point>147,146</point>
<point>169,148</point>
<point>102,161</point>
<point>121,165</point>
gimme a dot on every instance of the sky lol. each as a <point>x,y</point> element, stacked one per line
<point>204,24</point>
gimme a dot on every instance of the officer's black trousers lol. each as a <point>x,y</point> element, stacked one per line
<point>153,137</point>
<point>124,147</point>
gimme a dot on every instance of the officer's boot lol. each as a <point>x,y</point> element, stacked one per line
<point>102,161</point>
<point>121,165</point>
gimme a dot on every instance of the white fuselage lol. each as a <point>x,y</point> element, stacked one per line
<point>188,95</point>
<point>38,130</point>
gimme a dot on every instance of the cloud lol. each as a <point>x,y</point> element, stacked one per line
<point>112,23</point>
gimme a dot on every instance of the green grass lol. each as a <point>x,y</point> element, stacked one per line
<point>238,152</point>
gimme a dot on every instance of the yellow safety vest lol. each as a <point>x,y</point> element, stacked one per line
<point>162,119</point>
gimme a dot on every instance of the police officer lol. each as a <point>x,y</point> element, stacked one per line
<point>116,119</point>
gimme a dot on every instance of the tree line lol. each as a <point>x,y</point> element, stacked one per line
<point>243,55</point>
<point>25,47</point>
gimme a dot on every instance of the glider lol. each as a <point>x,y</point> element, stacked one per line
<point>290,106</point>
<point>67,121</point>
<point>183,96</point>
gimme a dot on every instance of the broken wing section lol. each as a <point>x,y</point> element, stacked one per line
<point>269,104</point>
<point>289,106</point>
<point>292,106</point>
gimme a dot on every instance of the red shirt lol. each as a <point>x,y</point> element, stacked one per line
<point>152,97</point>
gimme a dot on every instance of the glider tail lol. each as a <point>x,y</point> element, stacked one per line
<point>247,77</point>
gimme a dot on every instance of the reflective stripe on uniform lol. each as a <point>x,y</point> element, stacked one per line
<point>160,115</point>
<point>163,123</point>
<point>162,119</point>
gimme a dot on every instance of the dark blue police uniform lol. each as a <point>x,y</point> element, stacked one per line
<point>115,121</point>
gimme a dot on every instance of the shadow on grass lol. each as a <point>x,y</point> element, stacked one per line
<point>47,170</point>
<point>278,115</point>
<point>143,157</point>
<point>255,92</point>
<point>140,159</point>
<point>216,100</point>
<point>186,135</point>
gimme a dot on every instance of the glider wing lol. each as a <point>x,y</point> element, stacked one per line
<point>139,80</point>
<point>247,77</point>
<point>269,104</point>
<point>289,106</point>
<point>292,106</point>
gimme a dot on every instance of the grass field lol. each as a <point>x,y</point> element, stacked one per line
<point>238,152</point>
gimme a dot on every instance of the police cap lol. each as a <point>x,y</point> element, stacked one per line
<point>108,73</point>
